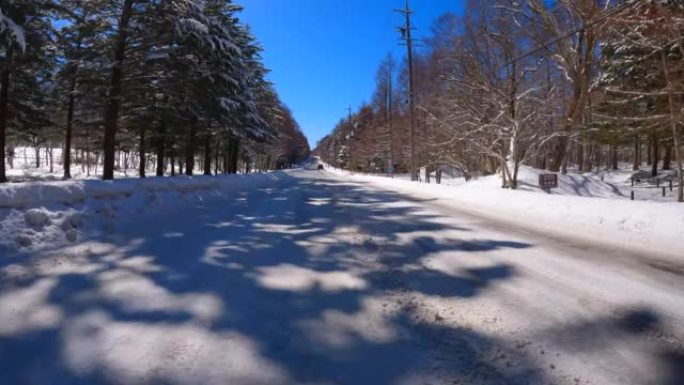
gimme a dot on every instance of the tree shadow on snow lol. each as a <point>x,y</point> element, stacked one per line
<point>306,282</point>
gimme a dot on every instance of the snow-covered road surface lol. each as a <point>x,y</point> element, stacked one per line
<point>317,279</point>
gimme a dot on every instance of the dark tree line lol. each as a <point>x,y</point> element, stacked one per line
<point>168,86</point>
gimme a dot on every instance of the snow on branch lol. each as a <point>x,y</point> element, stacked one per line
<point>15,32</point>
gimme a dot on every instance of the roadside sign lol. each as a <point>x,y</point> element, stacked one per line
<point>548,181</point>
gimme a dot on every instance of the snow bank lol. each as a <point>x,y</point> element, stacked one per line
<point>38,215</point>
<point>615,184</point>
<point>635,225</point>
<point>31,194</point>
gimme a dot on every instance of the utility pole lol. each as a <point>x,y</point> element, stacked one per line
<point>389,116</point>
<point>406,36</point>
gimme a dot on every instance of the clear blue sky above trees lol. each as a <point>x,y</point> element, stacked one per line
<point>324,53</point>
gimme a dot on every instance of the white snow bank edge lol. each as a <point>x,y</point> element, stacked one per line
<point>37,194</point>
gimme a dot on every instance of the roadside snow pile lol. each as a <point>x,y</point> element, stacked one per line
<point>573,183</point>
<point>37,218</point>
<point>642,225</point>
<point>597,184</point>
<point>614,184</point>
<point>601,184</point>
<point>39,215</point>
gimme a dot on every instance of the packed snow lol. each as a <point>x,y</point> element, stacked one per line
<point>615,184</point>
<point>322,277</point>
<point>38,215</point>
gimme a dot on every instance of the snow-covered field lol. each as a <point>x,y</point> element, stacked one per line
<point>322,277</point>
<point>614,184</point>
<point>25,169</point>
<point>584,207</point>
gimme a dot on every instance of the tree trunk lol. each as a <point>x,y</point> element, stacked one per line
<point>113,102</point>
<point>561,148</point>
<point>667,159</point>
<point>581,96</point>
<point>190,150</point>
<point>236,157</point>
<point>614,157</point>
<point>207,154</point>
<point>580,156</point>
<point>66,157</point>
<point>160,148</point>
<point>173,164</point>
<point>226,155</point>
<point>217,161</point>
<point>143,150</point>
<point>654,151</point>
<point>233,149</point>
<point>52,165</point>
<point>637,154</point>
<point>673,126</point>
<point>4,105</point>
<point>88,160</point>
<point>37,149</point>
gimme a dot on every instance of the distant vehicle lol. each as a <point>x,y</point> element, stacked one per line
<point>320,167</point>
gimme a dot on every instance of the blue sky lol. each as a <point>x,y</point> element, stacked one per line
<point>324,53</point>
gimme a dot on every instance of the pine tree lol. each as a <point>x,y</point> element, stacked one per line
<point>79,82</point>
<point>26,65</point>
<point>125,12</point>
<point>634,84</point>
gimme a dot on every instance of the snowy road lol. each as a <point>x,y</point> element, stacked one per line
<point>320,280</point>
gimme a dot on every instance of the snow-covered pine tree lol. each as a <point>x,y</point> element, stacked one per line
<point>123,12</point>
<point>80,84</point>
<point>156,94</point>
<point>633,78</point>
<point>26,65</point>
<point>629,100</point>
<point>235,93</point>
